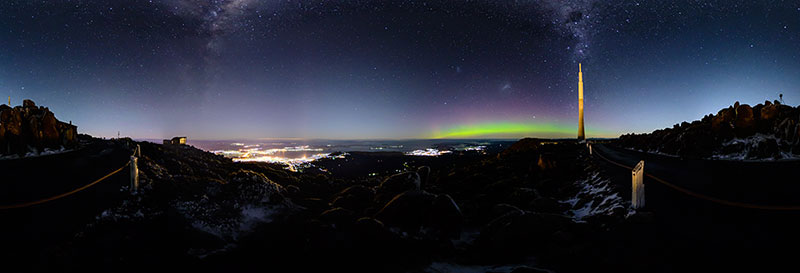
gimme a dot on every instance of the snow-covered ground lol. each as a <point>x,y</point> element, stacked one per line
<point>228,220</point>
<point>36,153</point>
<point>596,196</point>
<point>657,152</point>
<point>746,146</point>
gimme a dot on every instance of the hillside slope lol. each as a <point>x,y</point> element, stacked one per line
<point>764,132</point>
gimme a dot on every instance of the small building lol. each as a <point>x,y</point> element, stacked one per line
<point>175,141</point>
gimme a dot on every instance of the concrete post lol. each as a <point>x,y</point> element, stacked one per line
<point>134,175</point>
<point>138,151</point>
<point>637,200</point>
<point>590,149</point>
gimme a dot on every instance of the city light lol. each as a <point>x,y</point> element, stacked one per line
<point>252,153</point>
<point>428,152</point>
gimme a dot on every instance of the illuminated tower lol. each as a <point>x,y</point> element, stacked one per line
<point>581,135</point>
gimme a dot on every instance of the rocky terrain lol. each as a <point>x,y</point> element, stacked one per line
<point>528,208</point>
<point>763,132</point>
<point>30,129</point>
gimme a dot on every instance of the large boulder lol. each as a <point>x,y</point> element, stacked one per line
<point>49,129</point>
<point>744,125</point>
<point>407,210</point>
<point>34,132</point>
<point>338,216</point>
<point>371,233</point>
<point>249,187</point>
<point>419,211</point>
<point>396,184</point>
<point>12,141</point>
<point>797,132</point>
<point>503,209</point>
<point>446,217</point>
<point>28,103</point>
<point>769,111</point>
<point>356,198</point>
<point>723,119</point>
<point>514,235</point>
<point>12,120</point>
<point>786,130</point>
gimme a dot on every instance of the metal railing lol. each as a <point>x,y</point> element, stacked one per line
<point>134,183</point>
<point>690,192</point>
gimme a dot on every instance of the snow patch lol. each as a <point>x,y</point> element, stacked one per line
<point>226,222</point>
<point>128,210</point>
<point>33,152</point>
<point>744,149</point>
<point>596,196</point>
<point>253,215</point>
<point>746,146</point>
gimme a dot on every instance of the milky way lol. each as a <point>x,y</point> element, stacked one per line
<point>393,69</point>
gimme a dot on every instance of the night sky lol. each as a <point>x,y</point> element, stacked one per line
<point>393,69</point>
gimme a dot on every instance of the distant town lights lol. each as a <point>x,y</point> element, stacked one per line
<point>428,152</point>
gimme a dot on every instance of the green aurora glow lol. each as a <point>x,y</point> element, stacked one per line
<point>515,130</point>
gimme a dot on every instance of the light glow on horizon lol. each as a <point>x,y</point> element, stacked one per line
<point>507,129</point>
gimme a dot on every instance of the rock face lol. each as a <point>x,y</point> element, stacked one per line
<point>29,128</point>
<point>764,131</point>
<point>745,122</point>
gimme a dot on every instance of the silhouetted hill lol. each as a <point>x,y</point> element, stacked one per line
<point>765,131</point>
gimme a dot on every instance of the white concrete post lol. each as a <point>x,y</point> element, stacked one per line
<point>637,200</point>
<point>138,151</point>
<point>134,175</point>
<point>590,149</point>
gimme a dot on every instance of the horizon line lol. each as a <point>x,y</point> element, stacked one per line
<point>381,139</point>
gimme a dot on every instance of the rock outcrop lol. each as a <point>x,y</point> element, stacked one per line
<point>765,131</point>
<point>29,128</point>
<point>489,209</point>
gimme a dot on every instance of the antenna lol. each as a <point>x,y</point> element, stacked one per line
<point>581,133</point>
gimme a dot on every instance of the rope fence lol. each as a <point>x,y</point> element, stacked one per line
<point>703,196</point>
<point>134,173</point>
